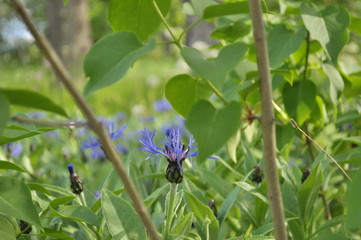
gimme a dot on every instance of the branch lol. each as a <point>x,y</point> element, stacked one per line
<point>268,122</point>
<point>94,124</point>
<point>294,124</point>
<point>51,123</point>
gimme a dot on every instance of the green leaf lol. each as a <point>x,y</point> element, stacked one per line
<point>353,196</point>
<point>204,214</point>
<point>328,26</point>
<point>10,165</point>
<point>355,25</point>
<point>111,57</point>
<point>212,127</point>
<point>54,234</point>
<point>16,201</point>
<point>225,9</point>
<point>61,201</point>
<point>155,195</point>
<point>329,224</point>
<point>77,213</point>
<point>231,31</point>
<point>200,5</point>
<point>299,100</point>
<point>32,99</point>
<point>336,82</point>
<point>309,191</point>
<point>282,42</point>
<point>183,226</point>
<point>182,91</point>
<point>6,230</point>
<point>121,219</point>
<point>215,70</point>
<point>4,112</point>
<point>15,130</point>
<point>137,16</point>
<point>227,204</point>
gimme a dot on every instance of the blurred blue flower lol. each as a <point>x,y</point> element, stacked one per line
<point>94,144</point>
<point>174,151</point>
<point>36,115</point>
<point>14,148</point>
<point>162,105</point>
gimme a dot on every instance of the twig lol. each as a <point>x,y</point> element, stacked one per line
<point>294,124</point>
<point>268,122</point>
<point>160,14</point>
<point>94,124</point>
<point>50,123</point>
<point>217,92</point>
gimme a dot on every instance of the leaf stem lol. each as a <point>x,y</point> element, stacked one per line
<point>167,26</point>
<point>170,210</point>
<point>268,121</point>
<point>217,92</point>
<point>188,28</point>
<point>307,54</point>
<point>94,124</point>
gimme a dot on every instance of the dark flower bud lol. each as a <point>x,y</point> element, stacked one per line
<point>212,206</point>
<point>76,183</point>
<point>305,175</point>
<point>257,175</point>
<point>25,227</point>
<point>174,173</point>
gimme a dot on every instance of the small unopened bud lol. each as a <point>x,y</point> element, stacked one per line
<point>213,207</point>
<point>305,175</point>
<point>76,183</point>
<point>257,175</point>
<point>174,173</point>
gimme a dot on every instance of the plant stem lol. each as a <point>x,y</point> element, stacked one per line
<point>160,14</point>
<point>268,122</point>
<point>170,210</point>
<point>69,124</point>
<point>217,92</point>
<point>306,57</point>
<point>295,125</point>
<point>94,124</point>
<point>188,28</point>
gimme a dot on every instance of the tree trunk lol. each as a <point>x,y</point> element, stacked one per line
<point>69,31</point>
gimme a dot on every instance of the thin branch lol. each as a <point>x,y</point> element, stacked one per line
<point>160,14</point>
<point>217,92</point>
<point>188,28</point>
<point>95,125</point>
<point>294,124</point>
<point>268,122</point>
<point>50,123</point>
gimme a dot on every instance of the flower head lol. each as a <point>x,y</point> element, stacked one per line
<point>14,148</point>
<point>162,105</point>
<point>94,144</point>
<point>173,150</point>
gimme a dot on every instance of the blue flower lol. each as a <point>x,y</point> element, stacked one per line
<point>174,151</point>
<point>14,148</point>
<point>162,105</point>
<point>94,144</point>
<point>76,184</point>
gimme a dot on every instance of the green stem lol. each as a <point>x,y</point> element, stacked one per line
<point>217,92</point>
<point>307,54</point>
<point>82,199</point>
<point>188,28</point>
<point>167,26</point>
<point>207,228</point>
<point>170,210</point>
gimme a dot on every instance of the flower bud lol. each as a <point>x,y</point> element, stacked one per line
<point>305,175</point>
<point>76,183</point>
<point>257,175</point>
<point>212,206</point>
<point>174,173</point>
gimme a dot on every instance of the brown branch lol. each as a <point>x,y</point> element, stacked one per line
<point>268,122</point>
<point>51,123</point>
<point>94,124</point>
<point>295,125</point>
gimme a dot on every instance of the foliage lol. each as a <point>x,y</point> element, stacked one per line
<point>315,80</point>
